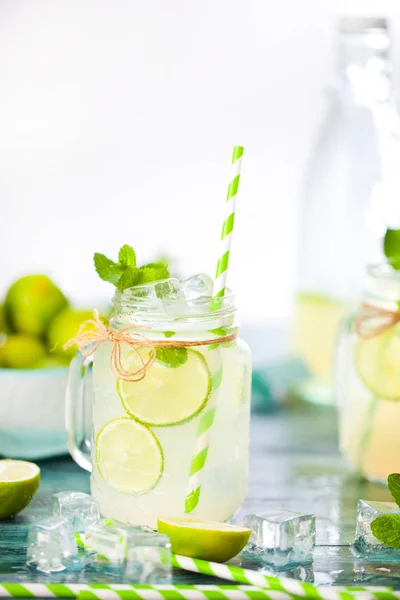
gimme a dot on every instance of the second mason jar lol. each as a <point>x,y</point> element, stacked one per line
<point>171,406</point>
<point>368,377</point>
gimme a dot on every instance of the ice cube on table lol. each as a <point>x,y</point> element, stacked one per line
<point>51,546</point>
<point>165,289</point>
<point>365,544</point>
<point>148,559</point>
<point>281,537</point>
<point>107,541</point>
<point>80,509</point>
<point>197,286</point>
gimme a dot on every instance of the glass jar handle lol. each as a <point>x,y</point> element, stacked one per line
<point>78,410</point>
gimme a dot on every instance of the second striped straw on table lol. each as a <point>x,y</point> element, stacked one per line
<point>207,419</point>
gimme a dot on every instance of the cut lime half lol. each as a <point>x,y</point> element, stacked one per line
<point>19,481</point>
<point>207,540</point>
<point>129,456</point>
<point>378,364</point>
<point>166,395</point>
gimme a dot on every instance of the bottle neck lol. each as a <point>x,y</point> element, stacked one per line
<point>364,66</point>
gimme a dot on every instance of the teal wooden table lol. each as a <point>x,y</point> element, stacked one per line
<point>294,464</point>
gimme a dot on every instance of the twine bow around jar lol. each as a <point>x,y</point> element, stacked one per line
<point>373,321</point>
<point>93,333</point>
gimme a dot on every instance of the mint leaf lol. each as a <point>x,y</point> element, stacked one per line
<point>155,265</point>
<point>107,269</point>
<point>219,331</point>
<point>386,529</point>
<point>217,378</point>
<point>172,357</point>
<point>394,487</point>
<point>127,256</point>
<point>148,274</point>
<point>391,247</point>
<point>128,279</point>
<point>169,334</point>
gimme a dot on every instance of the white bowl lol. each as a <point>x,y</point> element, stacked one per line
<point>32,406</point>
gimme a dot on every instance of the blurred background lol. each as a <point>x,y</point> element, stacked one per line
<point>117,121</point>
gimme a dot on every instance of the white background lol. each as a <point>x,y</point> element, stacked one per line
<point>117,121</point>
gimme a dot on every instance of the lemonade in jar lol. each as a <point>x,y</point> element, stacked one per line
<point>171,403</point>
<point>367,377</point>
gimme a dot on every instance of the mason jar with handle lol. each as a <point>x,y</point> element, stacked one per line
<point>367,377</point>
<point>170,410</point>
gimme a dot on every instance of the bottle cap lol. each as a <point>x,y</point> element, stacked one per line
<point>353,24</point>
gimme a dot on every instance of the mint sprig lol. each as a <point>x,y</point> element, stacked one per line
<point>391,247</point>
<point>172,357</point>
<point>125,273</point>
<point>386,528</point>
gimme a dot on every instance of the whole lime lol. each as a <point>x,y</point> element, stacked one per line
<point>21,351</point>
<point>52,362</point>
<point>2,319</point>
<point>63,328</point>
<point>32,302</point>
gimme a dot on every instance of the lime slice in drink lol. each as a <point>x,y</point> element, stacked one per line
<point>204,539</point>
<point>378,364</point>
<point>19,481</point>
<point>129,456</point>
<point>166,395</point>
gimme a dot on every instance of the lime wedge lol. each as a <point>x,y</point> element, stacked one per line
<point>19,481</point>
<point>129,456</point>
<point>167,395</point>
<point>207,540</point>
<point>378,364</point>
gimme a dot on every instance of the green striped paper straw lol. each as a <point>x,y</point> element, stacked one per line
<point>188,592</point>
<point>292,587</point>
<point>229,221</point>
<point>207,419</point>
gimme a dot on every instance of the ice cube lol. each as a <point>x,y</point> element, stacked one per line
<point>108,540</point>
<point>51,545</point>
<point>281,537</point>
<point>80,509</point>
<point>197,286</point>
<point>148,559</point>
<point>365,544</point>
<point>165,289</point>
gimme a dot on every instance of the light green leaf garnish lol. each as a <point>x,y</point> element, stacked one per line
<point>149,274</point>
<point>107,269</point>
<point>172,357</point>
<point>386,529</point>
<point>391,247</point>
<point>125,274</point>
<point>127,256</point>
<point>128,279</point>
<point>394,487</point>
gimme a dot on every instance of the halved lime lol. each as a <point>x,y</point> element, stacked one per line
<point>166,396</point>
<point>19,481</point>
<point>129,456</point>
<point>378,364</point>
<point>207,540</point>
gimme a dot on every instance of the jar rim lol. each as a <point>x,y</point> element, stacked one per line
<point>382,286</point>
<point>383,271</point>
<point>199,311</point>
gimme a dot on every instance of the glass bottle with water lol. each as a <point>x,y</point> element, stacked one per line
<point>351,194</point>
